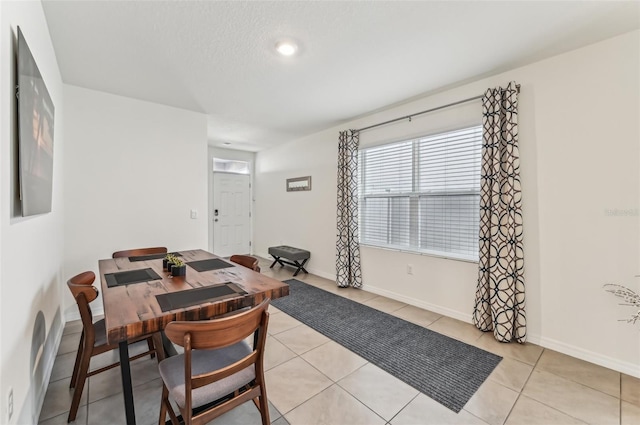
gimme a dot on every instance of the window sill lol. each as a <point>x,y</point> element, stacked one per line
<point>446,256</point>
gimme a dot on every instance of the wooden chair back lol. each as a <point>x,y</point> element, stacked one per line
<point>246,261</point>
<point>220,333</point>
<point>84,292</point>
<point>140,251</point>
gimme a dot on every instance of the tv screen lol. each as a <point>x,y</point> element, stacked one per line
<point>35,134</point>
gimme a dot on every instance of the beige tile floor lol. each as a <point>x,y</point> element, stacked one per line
<point>313,380</point>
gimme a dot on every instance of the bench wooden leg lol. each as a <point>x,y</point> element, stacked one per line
<point>300,267</point>
<point>277,260</point>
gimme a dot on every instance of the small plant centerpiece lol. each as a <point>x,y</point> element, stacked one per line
<point>167,261</point>
<point>179,268</point>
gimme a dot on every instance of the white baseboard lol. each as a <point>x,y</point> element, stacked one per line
<point>263,255</point>
<point>534,338</point>
<point>322,274</point>
<point>630,368</point>
<point>72,313</point>
<point>40,393</point>
<point>419,303</point>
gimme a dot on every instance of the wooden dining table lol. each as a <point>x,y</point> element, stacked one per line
<point>145,307</point>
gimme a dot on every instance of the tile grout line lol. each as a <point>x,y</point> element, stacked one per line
<point>533,369</point>
<point>329,378</point>
<point>506,418</point>
<point>338,383</point>
<point>402,408</point>
<point>402,318</point>
<point>482,420</point>
<point>620,404</point>
<point>570,379</point>
<point>538,401</point>
<point>360,401</point>
<point>300,357</point>
<point>345,390</point>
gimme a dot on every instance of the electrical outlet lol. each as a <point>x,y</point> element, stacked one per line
<point>409,268</point>
<point>194,214</point>
<point>10,404</point>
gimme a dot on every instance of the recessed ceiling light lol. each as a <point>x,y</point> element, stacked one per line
<point>286,47</point>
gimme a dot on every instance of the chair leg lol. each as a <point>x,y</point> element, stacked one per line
<point>172,415</point>
<point>151,347</point>
<point>264,405</point>
<point>81,378</point>
<point>157,342</point>
<point>163,406</point>
<point>74,375</point>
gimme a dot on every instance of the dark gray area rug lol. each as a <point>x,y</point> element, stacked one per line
<point>445,369</point>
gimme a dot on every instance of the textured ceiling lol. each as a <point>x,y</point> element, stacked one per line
<point>355,57</point>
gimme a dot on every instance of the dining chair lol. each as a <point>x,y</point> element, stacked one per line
<point>139,251</point>
<point>218,369</point>
<point>247,261</point>
<point>93,339</point>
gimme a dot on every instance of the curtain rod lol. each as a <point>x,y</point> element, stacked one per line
<point>427,111</point>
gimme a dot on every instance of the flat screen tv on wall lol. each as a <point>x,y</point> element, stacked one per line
<point>35,135</point>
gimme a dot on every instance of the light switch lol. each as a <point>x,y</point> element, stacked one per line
<point>194,214</point>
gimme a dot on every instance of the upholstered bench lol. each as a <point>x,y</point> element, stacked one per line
<point>289,255</point>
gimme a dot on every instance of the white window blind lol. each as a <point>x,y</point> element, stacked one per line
<point>423,195</point>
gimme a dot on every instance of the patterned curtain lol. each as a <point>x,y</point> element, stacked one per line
<point>348,249</point>
<point>499,303</point>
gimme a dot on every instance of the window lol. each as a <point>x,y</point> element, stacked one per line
<point>230,166</point>
<point>423,195</point>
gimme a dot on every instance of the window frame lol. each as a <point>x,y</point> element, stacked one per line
<point>414,197</point>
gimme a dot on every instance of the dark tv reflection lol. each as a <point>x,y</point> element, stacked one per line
<point>35,132</point>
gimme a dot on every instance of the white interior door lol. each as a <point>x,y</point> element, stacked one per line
<point>231,214</point>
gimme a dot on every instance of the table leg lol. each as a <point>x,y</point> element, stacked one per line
<point>127,388</point>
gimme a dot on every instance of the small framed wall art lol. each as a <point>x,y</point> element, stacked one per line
<point>299,183</point>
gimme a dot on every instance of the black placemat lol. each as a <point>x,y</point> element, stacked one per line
<point>152,257</point>
<point>181,299</point>
<point>131,276</point>
<point>210,264</point>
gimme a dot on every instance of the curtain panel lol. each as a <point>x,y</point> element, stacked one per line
<point>348,271</point>
<point>500,297</point>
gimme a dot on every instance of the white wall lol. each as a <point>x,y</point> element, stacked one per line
<point>133,172</point>
<point>232,154</point>
<point>580,157</point>
<point>31,248</point>
<point>304,219</point>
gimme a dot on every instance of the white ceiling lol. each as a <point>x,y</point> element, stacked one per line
<point>355,57</point>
